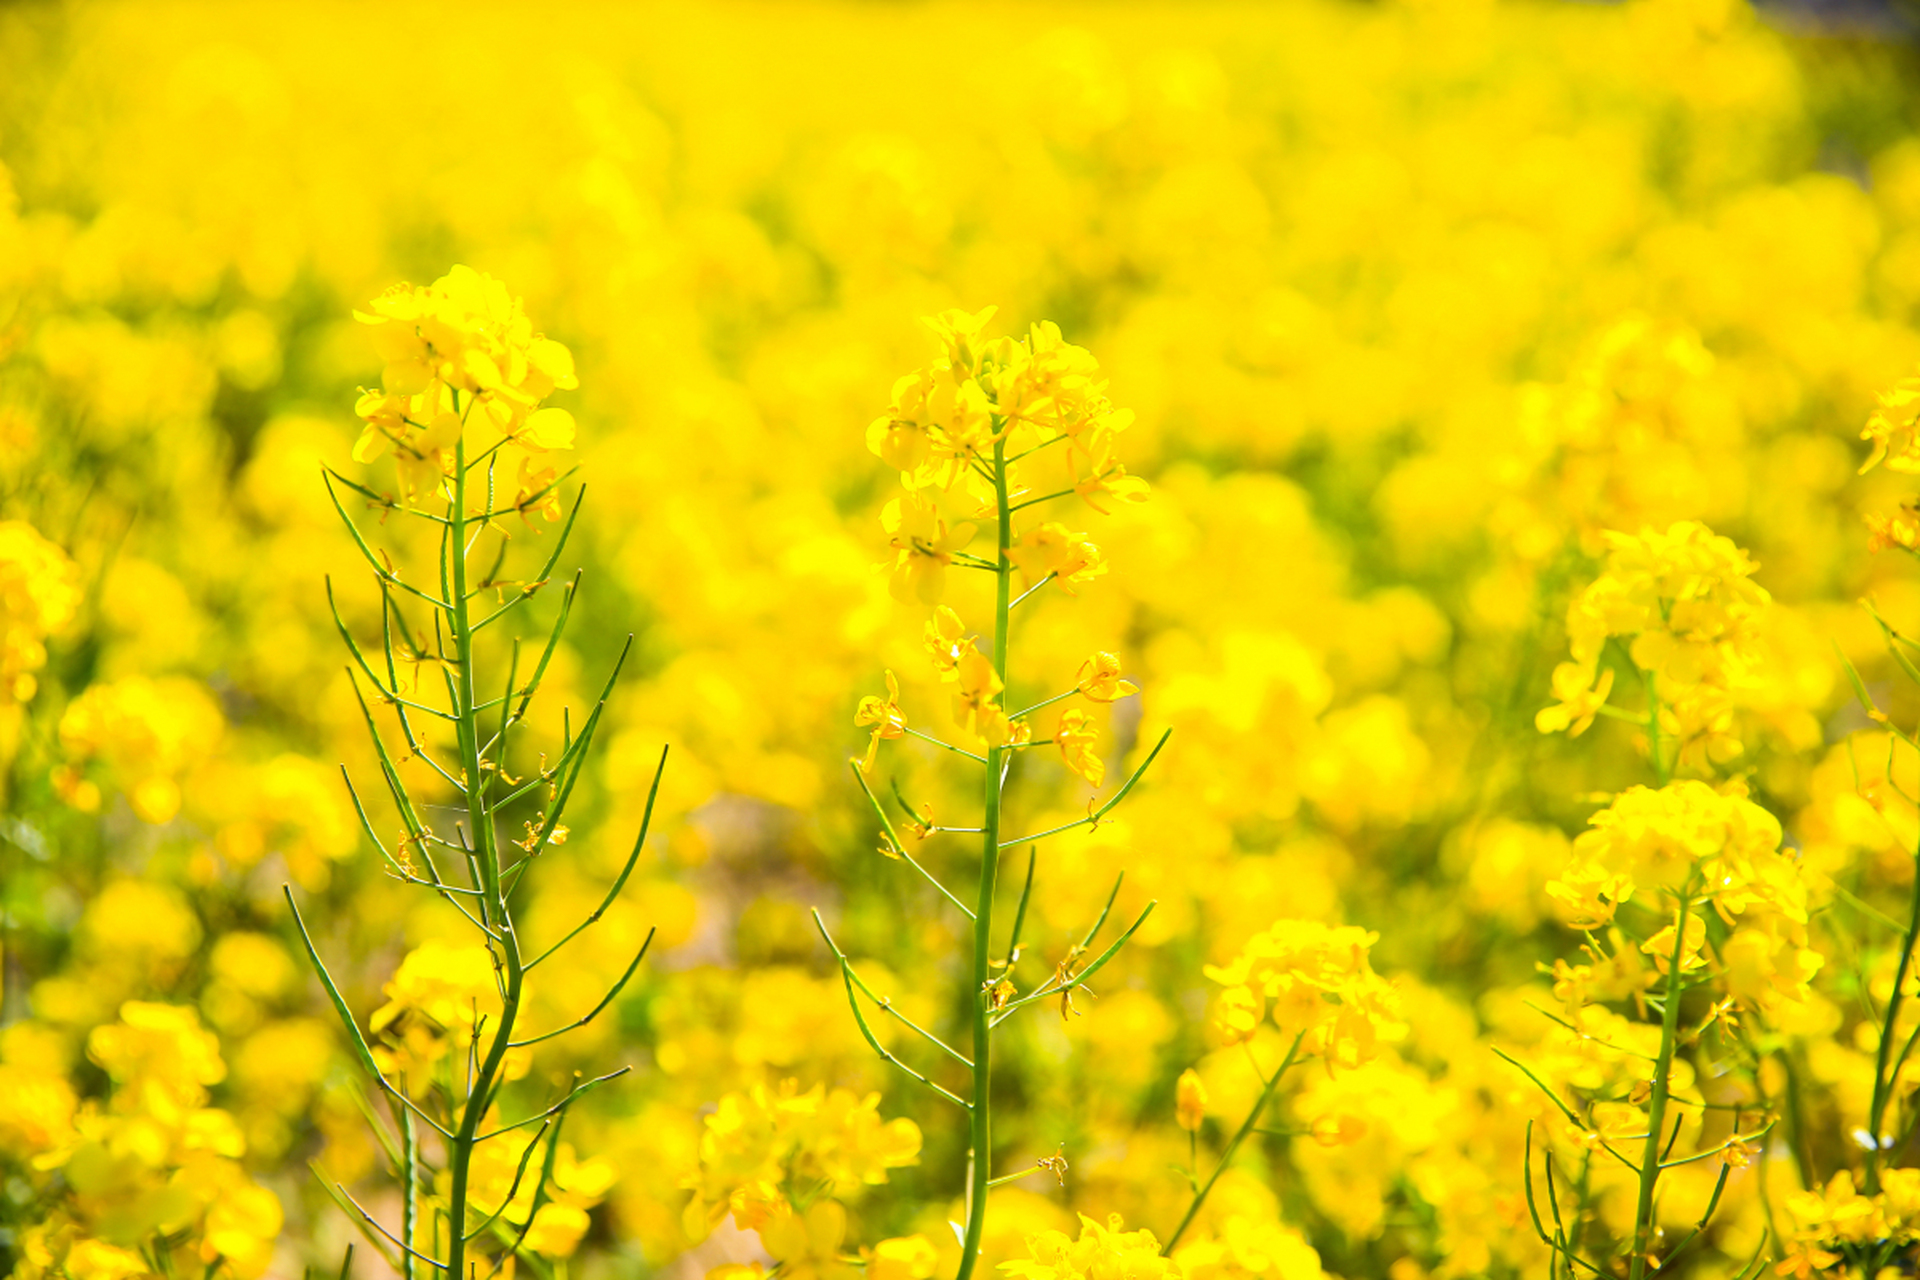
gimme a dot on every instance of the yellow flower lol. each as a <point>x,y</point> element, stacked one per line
<point>148,733</point>
<point>903,1258</point>
<point>1101,1253</point>
<point>1317,983</point>
<point>976,703</point>
<point>160,1057</point>
<point>807,1245</point>
<point>1894,428</point>
<point>1075,737</point>
<point>959,332</point>
<point>885,716</point>
<point>459,355</point>
<point>39,593</point>
<point>556,1229</point>
<point>1339,1130</point>
<point>1100,681</point>
<point>1685,600</point>
<point>1190,1100</point>
<point>1581,698</point>
<point>1106,479</point>
<point>924,547</point>
<point>1053,549</point>
<point>1901,529</point>
<point>946,642</point>
<point>1660,946</point>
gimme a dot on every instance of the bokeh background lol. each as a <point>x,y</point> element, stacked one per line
<point>1412,300</point>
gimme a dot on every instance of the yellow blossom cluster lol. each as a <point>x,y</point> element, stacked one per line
<point>146,735</point>
<point>552,1221</point>
<point>1317,985</point>
<point>151,1184</point>
<point>39,593</point>
<point>1100,1251</point>
<point>766,1153</point>
<point>434,1001</point>
<point>1689,841</point>
<point>463,335</point>
<point>1686,606</point>
<point>1824,1221</point>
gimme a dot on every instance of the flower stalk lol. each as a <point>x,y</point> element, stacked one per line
<point>453,421</point>
<point>964,422</point>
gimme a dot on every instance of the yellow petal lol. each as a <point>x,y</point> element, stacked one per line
<point>548,429</point>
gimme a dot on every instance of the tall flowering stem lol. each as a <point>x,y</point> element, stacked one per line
<point>980,1116</point>
<point>1658,866</point>
<point>460,410</point>
<point>1317,986</point>
<point>963,426</point>
<point>1650,1152</point>
<point>1892,430</point>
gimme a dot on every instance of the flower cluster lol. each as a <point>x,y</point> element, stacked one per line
<point>150,1184</point>
<point>435,1000</point>
<point>1686,602</point>
<point>1827,1222</point>
<point>39,594</point>
<point>146,735</point>
<point>1109,1252</point>
<point>552,1221</point>
<point>765,1150</point>
<point>1894,428</point>
<point>1316,983</point>
<point>1718,850</point>
<point>947,420</point>
<point>460,356</point>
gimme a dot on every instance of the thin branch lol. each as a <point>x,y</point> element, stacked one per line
<point>1058,697</point>
<point>1104,809</point>
<point>1051,575</point>
<point>846,977</point>
<point>380,568</point>
<point>899,846</point>
<point>1078,979</point>
<point>595,1011</point>
<point>620,882</point>
<point>927,737</point>
<point>574,1092</point>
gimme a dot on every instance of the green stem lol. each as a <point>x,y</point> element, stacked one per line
<point>409,1174</point>
<point>1657,1109</point>
<point>980,1136</point>
<point>1226,1157</point>
<point>1660,771</point>
<point>1882,1080</point>
<point>493,905</point>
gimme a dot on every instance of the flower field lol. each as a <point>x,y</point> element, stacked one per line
<point>1081,642</point>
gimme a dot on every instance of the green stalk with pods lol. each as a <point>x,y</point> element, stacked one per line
<point>461,412</point>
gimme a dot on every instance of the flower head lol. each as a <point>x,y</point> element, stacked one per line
<point>885,716</point>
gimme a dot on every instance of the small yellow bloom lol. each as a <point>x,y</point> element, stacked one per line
<point>1053,549</point>
<point>1190,1101</point>
<point>1660,946</point>
<point>903,1258</point>
<point>886,718</point>
<point>1581,697</point>
<point>1100,680</point>
<point>1075,737</point>
<point>924,547</point>
<point>1900,529</point>
<point>1339,1130</point>
<point>976,702</point>
<point>1894,428</point>
<point>946,638</point>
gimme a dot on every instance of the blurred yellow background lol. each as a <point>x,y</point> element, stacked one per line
<point>1412,301</point>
